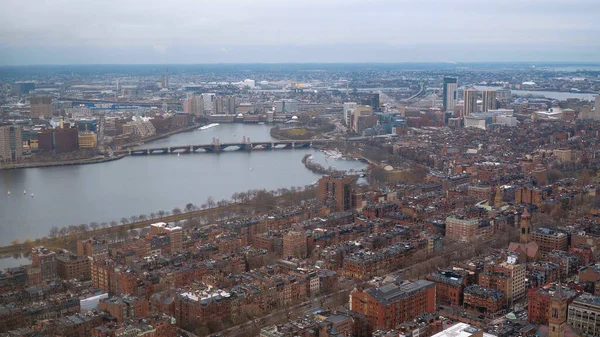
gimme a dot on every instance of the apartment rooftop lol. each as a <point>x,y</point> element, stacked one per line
<point>391,292</point>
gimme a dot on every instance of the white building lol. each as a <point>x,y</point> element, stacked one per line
<point>249,83</point>
<point>348,111</point>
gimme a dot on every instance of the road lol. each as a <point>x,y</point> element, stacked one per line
<point>278,316</point>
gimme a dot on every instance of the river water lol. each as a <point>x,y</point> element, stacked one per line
<point>559,95</point>
<point>137,185</point>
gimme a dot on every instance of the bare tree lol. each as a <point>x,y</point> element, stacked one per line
<point>94,225</point>
<point>210,202</point>
<point>235,196</point>
<point>113,223</point>
<point>103,224</point>
<point>133,218</point>
<point>176,211</point>
<point>189,207</point>
<point>124,221</point>
<point>54,232</point>
<point>152,215</point>
<point>161,213</point>
<point>142,217</point>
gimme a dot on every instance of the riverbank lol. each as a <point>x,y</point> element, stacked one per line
<point>85,161</point>
<point>162,136</point>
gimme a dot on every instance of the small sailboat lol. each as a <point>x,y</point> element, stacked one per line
<point>32,195</point>
<point>24,192</point>
<point>178,154</point>
<point>8,192</point>
<point>252,168</point>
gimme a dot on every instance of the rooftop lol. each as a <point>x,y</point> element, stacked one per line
<point>391,292</point>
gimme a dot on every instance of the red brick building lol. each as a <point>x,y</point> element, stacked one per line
<point>484,299</point>
<point>124,307</point>
<point>392,304</point>
<point>538,301</point>
<point>449,286</point>
<point>73,267</point>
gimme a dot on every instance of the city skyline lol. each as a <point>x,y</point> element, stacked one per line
<point>133,32</point>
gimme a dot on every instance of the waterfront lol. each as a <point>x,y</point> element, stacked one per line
<point>547,94</point>
<point>137,185</point>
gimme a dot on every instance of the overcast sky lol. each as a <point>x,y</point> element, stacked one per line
<point>245,31</point>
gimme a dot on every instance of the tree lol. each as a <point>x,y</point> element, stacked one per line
<point>203,206</point>
<point>142,217</point>
<point>83,228</point>
<point>161,213</point>
<point>63,231</point>
<point>124,221</point>
<point>72,229</point>
<point>54,232</point>
<point>235,196</point>
<point>152,215</point>
<point>15,242</point>
<point>94,225</point>
<point>103,224</point>
<point>189,207</point>
<point>113,224</point>
<point>210,202</point>
<point>133,218</point>
<point>176,211</point>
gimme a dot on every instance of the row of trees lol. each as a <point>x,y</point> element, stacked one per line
<point>261,199</point>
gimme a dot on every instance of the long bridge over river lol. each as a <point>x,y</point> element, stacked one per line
<point>216,147</point>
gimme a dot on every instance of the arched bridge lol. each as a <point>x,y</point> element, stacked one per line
<point>217,147</point>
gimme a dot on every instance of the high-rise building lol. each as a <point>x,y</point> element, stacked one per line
<point>449,93</point>
<point>336,192</point>
<point>45,259</point>
<point>361,115</point>
<point>489,100</point>
<point>470,101</point>
<point>11,143</point>
<point>41,106</point>
<point>597,105</point>
<point>194,105</point>
<point>167,78</point>
<point>208,100</point>
<point>224,105</point>
<point>348,111</point>
<point>389,305</point>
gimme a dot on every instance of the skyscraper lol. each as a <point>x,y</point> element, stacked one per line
<point>449,94</point>
<point>489,100</point>
<point>348,110</point>
<point>11,143</point>
<point>470,101</point>
<point>167,78</point>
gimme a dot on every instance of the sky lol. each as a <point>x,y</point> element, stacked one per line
<point>280,31</point>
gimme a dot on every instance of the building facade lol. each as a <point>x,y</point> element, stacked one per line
<point>11,143</point>
<point>449,95</point>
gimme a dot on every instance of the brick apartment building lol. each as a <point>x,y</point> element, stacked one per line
<point>295,244</point>
<point>392,304</point>
<point>484,299</point>
<point>71,266</point>
<point>336,192</point>
<point>538,301</point>
<point>45,259</point>
<point>549,240</point>
<point>124,307</point>
<point>449,286</point>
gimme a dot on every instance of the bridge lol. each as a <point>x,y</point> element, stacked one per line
<point>216,147</point>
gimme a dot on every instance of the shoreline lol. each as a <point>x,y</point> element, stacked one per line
<point>86,161</point>
<point>94,160</point>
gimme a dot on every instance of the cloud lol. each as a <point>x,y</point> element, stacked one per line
<point>411,27</point>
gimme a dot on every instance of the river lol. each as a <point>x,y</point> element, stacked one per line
<point>559,95</point>
<point>71,195</point>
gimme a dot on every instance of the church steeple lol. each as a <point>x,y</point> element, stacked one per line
<point>525,225</point>
<point>557,318</point>
<point>498,198</point>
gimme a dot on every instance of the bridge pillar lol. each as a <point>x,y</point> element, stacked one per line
<point>130,152</point>
<point>191,148</point>
<point>293,145</point>
<point>168,149</point>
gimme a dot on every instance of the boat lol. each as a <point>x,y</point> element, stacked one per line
<point>32,195</point>
<point>24,192</point>
<point>206,127</point>
<point>8,193</point>
<point>178,154</point>
<point>261,123</point>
